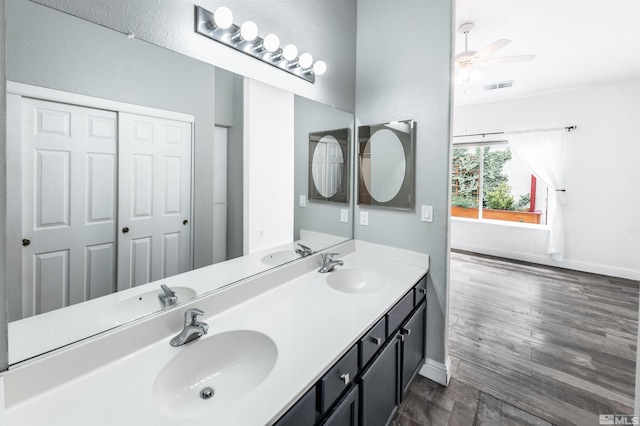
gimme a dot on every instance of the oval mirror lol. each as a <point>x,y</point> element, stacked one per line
<point>327,166</point>
<point>387,165</point>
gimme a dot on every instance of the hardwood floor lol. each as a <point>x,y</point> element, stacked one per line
<point>531,345</point>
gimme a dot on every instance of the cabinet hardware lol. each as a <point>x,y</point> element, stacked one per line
<point>184,222</point>
<point>376,340</point>
<point>405,331</point>
<point>125,229</point>
<point>345,378</point>
<point>422,290</point>
<point>26,242</point>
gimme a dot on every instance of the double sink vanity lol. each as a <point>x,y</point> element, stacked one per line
<point>289,346</point>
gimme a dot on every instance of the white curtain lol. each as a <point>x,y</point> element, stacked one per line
<point>544,152</point>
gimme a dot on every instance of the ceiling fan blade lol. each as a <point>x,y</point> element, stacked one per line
<point>491,49</point>
<point>505,60</point>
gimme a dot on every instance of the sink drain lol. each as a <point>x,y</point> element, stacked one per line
<point>206,393</point>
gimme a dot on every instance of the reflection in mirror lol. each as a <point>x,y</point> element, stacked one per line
<point>132,91</point>
<point>328,165</point>
<point>318,219</point>
<point>386,164</point>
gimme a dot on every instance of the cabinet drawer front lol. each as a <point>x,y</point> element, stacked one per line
<point>398,313</point>
<point>303,413</point>
<point>373,341</point>
<point>420,291</point>
<point>338,379</point>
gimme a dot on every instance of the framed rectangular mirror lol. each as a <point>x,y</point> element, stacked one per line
<point>386,164</point>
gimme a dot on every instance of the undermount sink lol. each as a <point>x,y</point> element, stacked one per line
<point>140,305</point>
<point>213,373</point>
<point>356,280</point>
<point>280,257</point>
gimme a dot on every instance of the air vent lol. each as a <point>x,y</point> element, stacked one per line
<point>501,85</point>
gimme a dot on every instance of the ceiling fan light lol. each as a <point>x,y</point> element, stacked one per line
<point>467,75</point>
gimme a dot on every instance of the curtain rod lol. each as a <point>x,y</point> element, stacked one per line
<point>567,128</point>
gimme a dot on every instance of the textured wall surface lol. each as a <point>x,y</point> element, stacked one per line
<point>403,74</point>
<point>323,28</point>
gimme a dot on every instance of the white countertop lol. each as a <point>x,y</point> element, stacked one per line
<point>312,325</point>
<point>39,334</point>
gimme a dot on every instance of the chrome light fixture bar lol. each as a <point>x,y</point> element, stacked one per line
<point>219,26</point>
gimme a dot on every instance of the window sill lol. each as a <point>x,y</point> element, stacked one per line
<point>501,223</point>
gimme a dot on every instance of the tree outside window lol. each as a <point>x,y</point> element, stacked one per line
<point>506,186</point>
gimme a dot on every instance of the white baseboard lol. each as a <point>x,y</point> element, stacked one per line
<point>575,265</point>
<point>437,371</point>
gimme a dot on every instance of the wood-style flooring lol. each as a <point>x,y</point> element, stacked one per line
<point>531,345</point>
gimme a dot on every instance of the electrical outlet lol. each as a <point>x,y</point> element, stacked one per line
<point>364,218</point>
<point>303,201</point>
<point>344,215</point>
<point>427,214</point>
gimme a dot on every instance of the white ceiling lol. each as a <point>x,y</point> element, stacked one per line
<point>578,43</point>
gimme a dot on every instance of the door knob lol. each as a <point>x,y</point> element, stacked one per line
<point>184,222</point>
<point>125,229</point>
<point>26,242</point>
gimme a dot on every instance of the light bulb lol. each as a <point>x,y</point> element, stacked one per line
<point>223,18</point>
<point>319,68</point>
<point>306,60</point>
<point>271,43</point>
<point>249,31</point>
<point>289,52</point>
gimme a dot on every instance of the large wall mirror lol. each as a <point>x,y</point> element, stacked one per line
<point>127,166</point>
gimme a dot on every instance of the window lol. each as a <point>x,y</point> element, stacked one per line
<point>491,176</point>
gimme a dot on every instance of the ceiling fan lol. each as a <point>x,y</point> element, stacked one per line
<point>467,61</point>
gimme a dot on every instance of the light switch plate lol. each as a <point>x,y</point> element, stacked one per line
<point>303,201</point>
<point>427,214</point>
<point>344,215</point>
<point>364,218</point>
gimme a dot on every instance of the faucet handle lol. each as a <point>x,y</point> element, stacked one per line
<point>168,297</point>
<point>327,257</point>
<point>306,249</point>
<point>191,315</point>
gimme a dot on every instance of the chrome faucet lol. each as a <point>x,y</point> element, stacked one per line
<point>304,251</point>
<point>328,263</point>
<point>192,328</point>
<point>168,298</point>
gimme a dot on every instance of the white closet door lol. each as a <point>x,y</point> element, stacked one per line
<point>68,204</point>
<point>154,199</point>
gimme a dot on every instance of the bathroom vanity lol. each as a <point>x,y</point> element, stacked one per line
<point>290,346</point>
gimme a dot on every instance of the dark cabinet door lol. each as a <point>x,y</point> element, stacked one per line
<point>412,335</point>
<point>379,386</point>
<point>303,413</point>
<point>346,412</point>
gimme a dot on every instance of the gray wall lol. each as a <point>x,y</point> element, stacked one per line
<point>405,73</point>
<point>4,345</point>
<point>318,216</point>
<point>229,114</point>
<point>66,53</point>
<point>323,28</point>
<point>235,160</point>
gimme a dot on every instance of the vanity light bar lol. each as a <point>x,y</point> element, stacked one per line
<point>219,26</point>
